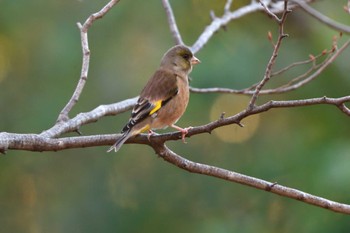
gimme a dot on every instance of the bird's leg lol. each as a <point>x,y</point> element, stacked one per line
<point>150,133</point>
<point>183,131</point>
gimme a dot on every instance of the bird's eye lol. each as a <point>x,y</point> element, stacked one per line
<point>186,56</point>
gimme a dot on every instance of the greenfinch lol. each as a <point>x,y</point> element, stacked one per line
<point>164,98</point>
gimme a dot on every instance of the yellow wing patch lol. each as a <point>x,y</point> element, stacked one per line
<point>158,105</point>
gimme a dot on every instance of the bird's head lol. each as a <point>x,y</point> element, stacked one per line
<point>179,58</point>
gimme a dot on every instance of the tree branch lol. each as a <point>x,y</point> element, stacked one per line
<point>81,119</point>
<point>199,168</point>
<point>172,22</point>
<point>228,5</point>
<point>63,116</point>
<point>220,22</point>
<point>322,18</point>
<point>267,10</point>
<point>285,88</point>
<point>42,142</point>
<point>274,55</point>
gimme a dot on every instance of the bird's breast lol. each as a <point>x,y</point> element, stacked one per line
<point>175,108</point>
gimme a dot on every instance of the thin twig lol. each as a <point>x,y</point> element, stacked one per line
<point>301,77</point>
<point>228,5</point>
<point>298,63</point>
<point>218,23</point>
<point>172,22</point>
<point>273,58</point>
<point>322,18</point>
<point>63,116</point>
<point>267,10</point>
<point>316,73</point>
<point>284,88</point>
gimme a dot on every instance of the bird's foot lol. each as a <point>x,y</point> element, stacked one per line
<point>150,133</point>
<point>184,131</point>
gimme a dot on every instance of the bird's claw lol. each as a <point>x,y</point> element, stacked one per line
<point>184,132</point>
<point>150,133</point>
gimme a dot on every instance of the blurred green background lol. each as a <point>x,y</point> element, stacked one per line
<point>87,190</point>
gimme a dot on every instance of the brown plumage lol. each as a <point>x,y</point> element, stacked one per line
<point>164,98</point>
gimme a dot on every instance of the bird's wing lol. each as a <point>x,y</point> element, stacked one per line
<point>159,90</point>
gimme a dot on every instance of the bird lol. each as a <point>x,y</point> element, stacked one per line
<point>164,98</point>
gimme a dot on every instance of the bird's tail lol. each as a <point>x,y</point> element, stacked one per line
<point>120,141</point>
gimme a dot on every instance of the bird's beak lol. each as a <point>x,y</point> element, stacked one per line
<point>195,60</point>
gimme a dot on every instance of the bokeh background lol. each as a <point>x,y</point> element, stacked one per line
<point>87,190</point>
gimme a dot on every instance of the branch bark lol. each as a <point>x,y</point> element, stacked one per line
<point>31,142</point>
<point>235,177</point>
<point>228,16</point>
<point>322,18</point>
<point>63,116</point>
<point>274,55</point>
<point>300,81</point>
<point>172,23</point>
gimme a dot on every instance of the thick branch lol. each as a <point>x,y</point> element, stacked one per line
<point>35,142</point>
<point>42,141</point>
<point>235,177</point>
